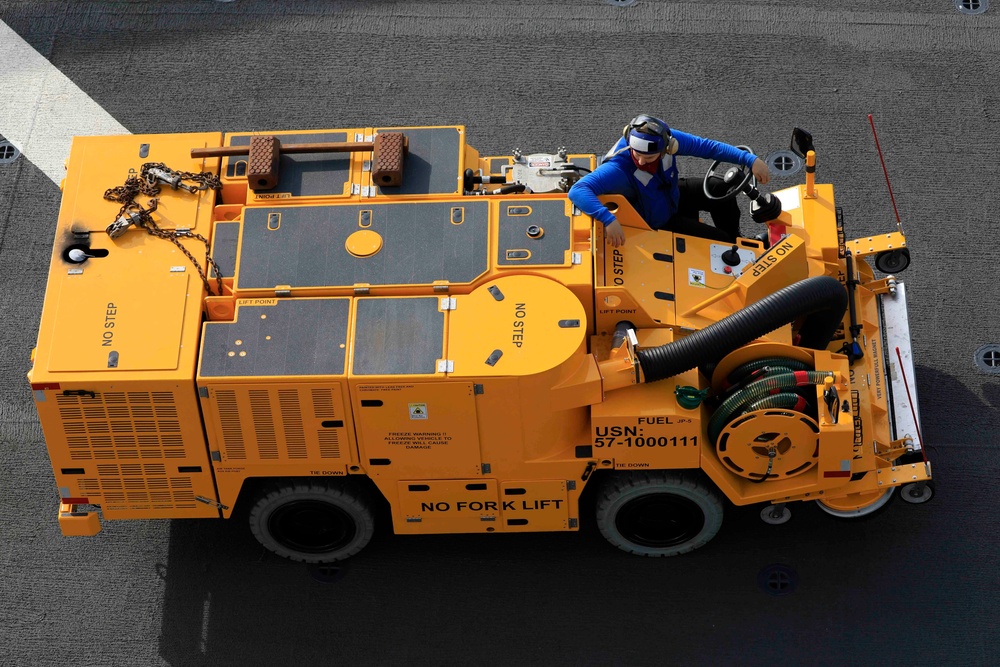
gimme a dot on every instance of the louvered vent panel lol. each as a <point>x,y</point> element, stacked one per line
<point>324,409</point>
<point>138,487</point>
<point>229,416</point>
<point>323,404</point>
<point>291,422</point>
<point>112,426</point>
<point>329,444</point>
<point>263,423</point>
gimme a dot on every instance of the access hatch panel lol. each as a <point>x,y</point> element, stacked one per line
<point>104,324</point>
<point>398,336</point>
<point>515,325</point>
<point>97,164</point>
<point>278,338</point>
<point>311,246</point>
<point>533,233</point>
<point>433,162</point>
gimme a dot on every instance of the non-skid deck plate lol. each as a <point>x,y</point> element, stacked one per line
<point>283,338</point>
<point>422,242</point>
<point>432,163</point>
<point>403,336</point>
<point>300,174</point>
<point>533,233</point>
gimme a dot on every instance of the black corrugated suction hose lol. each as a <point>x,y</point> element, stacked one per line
<point>823,299</point>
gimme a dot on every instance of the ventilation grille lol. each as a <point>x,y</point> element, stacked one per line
<point>329,445</point>
<point>291,420</point>
<point>138,487</point>
<point>329,439</point>
<point>280,423</point>
<point>229,416</point>
<point>323,404</point>
<point>263,424</point>
<point>121,425</point>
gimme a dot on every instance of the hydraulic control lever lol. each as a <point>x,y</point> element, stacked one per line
<point>768,207</point>
<point>732,256</point>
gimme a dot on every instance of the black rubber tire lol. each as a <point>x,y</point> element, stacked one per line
<point>312,522</point>
<point>893,261</point>
<point>658,514</point>
<point>924,493</point>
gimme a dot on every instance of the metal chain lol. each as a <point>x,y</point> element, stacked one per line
<point>154,173</point>
<point>147,183</point>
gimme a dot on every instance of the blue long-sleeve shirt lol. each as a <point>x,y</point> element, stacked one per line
<point>654,196</point>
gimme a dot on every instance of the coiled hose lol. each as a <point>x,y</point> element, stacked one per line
<point>758,393</point>
<point>823,299</point>
<point>748,369</point>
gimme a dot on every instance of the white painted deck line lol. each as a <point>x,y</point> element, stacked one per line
<point>42,110</point>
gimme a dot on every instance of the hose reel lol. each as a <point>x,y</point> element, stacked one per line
<point>763,429</point>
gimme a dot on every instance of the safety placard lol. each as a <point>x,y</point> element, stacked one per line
<point>696,277</point>
<point>418,411</point>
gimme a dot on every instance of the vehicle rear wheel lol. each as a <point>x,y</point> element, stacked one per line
<point>658,513</point>
<point>312,523</point>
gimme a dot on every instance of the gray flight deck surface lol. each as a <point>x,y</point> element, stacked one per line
<point>915,585</point>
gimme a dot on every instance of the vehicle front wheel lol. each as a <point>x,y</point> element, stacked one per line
<point>658,513</point>
<point>311,522</point>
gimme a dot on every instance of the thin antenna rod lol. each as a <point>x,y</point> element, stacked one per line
<point>899,223</point>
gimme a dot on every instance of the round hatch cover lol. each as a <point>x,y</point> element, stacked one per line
<point>8,152</point>
<point>987,358</point>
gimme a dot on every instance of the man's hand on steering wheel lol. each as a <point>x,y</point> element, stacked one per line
<point>734,178</point>
<point>760,171</point>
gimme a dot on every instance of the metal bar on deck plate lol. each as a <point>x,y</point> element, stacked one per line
<point>331,147</point>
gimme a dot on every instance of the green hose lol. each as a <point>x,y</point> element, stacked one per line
<point>757,390</point>
<point>769,365</point>
<point>749,367</point>
<point>782,400</point>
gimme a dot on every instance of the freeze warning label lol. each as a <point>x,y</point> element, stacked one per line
<point>417,440</point>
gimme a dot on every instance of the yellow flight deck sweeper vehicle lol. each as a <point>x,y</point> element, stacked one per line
<point>311,325</point>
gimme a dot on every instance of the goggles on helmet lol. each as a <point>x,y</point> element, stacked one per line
<point>648,135</point>
<point>650,125</point>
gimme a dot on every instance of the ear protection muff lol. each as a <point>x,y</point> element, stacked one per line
<point>672,145</point>
<point>653,126</point>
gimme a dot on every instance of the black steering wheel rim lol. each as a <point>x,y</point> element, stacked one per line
<point>732,190</point>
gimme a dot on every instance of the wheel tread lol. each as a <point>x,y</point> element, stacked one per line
<point>346,498</point>
<point>623,484</point>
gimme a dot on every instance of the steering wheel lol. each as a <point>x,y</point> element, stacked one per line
<point>735,179</point>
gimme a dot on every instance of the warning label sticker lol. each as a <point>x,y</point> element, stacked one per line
<point>412,440</point>
<point>418,411</point>
<point>696,277</point>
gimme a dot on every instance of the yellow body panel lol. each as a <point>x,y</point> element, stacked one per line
<point>118,342</point>
<point>657,434</point>
<point>96,164</point>
<point>78,524</point>
<point>455,350</point>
